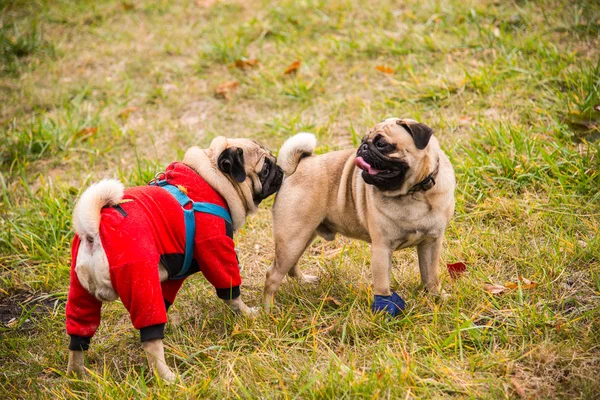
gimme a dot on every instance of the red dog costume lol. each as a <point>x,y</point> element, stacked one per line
<point>146,229</point>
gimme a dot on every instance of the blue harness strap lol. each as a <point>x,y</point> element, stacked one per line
<point>190,221</point>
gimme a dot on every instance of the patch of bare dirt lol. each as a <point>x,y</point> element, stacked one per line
<point>16,310</point>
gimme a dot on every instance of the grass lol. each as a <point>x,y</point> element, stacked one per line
<point>120,89</point>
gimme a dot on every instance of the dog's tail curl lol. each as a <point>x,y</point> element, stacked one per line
<point>86,217</point>
<point>295,149</point>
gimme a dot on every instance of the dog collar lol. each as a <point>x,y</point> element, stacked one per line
<point>428,182</point>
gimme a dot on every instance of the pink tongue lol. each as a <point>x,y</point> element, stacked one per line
<point>362,164</point>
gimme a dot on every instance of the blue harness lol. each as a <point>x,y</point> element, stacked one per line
<point>190,221</point>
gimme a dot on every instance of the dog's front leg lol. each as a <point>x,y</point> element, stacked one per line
<point>429,252</point>
<point>76,363</point>
<point>155,352</point>
<point>381,266</point>
<point>239,307</point>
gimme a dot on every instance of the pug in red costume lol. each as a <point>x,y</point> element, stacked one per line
<point>140,244</point>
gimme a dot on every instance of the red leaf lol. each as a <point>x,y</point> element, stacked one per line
<point>456,269</point>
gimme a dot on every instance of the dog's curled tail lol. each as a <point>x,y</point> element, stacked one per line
<point>295,149</point>
<point>86,217</point>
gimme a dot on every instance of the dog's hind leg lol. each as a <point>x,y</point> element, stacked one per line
<point>295,271</point>
<point>429,252</point>
<point>288,251</point>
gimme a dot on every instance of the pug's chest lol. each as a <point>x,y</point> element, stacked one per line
<point>410,228</point>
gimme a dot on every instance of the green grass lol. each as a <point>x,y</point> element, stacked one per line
<point>120,89</point>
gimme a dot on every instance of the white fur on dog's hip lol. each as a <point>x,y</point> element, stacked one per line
<point>91,265</point>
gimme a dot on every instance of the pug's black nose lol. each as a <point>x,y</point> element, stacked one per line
<point>364,147</point>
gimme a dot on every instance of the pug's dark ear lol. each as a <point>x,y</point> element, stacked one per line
<point>420,133</point>
<point>231,161</point>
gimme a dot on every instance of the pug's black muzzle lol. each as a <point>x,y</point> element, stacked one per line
<point>384,173</point>
<point>270,185</point>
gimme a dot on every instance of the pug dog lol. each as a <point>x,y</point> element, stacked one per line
<point>395,191</point>
<point>140,244</point>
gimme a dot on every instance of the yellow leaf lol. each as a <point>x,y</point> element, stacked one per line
<point>384,69</point>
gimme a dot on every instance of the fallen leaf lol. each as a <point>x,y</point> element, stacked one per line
<point>511,285</point>
<point>86,132</point>
<point>597,107</point>
<point>292,68</point>
<point>456,269</point>
<point>333,300</point>
<point>518,388</point>
<point>225,88</point>
<point>327,329</point>
<point>494,288</point>
<point>527,284</point>
<point>183,189</point>
<point>246,63</point>
<point>384,69</point>
<point>127,111</point>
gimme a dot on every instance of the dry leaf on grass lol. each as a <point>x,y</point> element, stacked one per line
<point>246,63</point>
<point>127,111</point>
<point>597,107</point>
<point>518,388</point>
<point>224,89</point>
<point>384,69</point>
<point>86,132</point>
<point>456,269</point>
<point>527,284</point>
<point>497,289</point>
<point>511,285</point>
<point>333,300</point>
<point>292,68</point>
<point>494,288</point>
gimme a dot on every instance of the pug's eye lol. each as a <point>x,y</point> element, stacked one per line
<point>266,169</point>
<point>380,143</point>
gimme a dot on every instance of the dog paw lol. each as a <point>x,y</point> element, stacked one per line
<point>168,376</point>
<point>392,305</point>
<point>442,295</point>
<point>308,278</point>
<point>252,312</point>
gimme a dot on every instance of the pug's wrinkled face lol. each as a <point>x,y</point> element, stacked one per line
<point>248,162</point>
<point>389,151</point>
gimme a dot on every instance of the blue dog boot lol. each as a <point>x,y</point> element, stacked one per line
<point>393,304</point>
